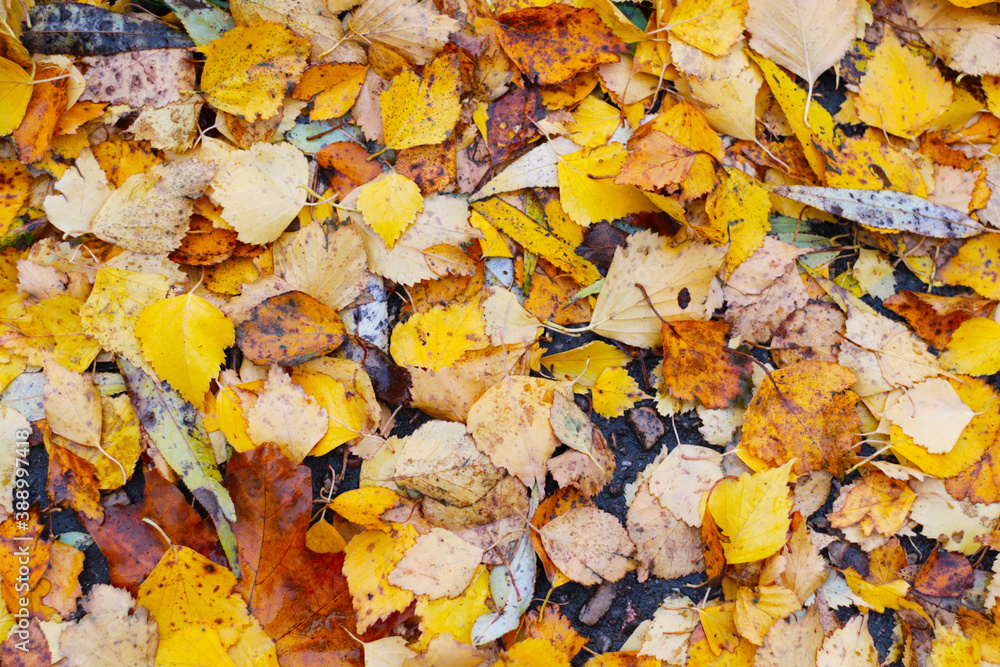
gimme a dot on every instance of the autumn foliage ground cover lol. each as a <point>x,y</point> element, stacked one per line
<point>366,331</point>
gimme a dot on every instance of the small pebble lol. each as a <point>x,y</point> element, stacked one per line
<point>598,604</point>
<point>646,425</point>
<point>600,644</point>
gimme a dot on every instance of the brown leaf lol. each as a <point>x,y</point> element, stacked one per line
<point>935,318</point>
<point>945,574</point>
<point>286,586</point>
<point>289,329</point>
<point>812,332</point>
<point>133,547</point>
<point>26,647</point>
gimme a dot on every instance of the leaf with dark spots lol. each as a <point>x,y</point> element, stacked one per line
<point>886,210</point>
<point>552,44</point>
<point>85,30</point>
<point>290,329</point>
<point>511,122</point>
<point>945,575</point>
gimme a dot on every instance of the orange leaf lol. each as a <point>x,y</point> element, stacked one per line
<point>803,412</point>
<point>552,44</point>
<point>697,365</point>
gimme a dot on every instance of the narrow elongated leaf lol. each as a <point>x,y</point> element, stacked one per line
<point>886,210</point>
<point>86,30</point>
<point>175,427</point>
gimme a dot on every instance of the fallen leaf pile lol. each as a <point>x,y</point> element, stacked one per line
<point>321,319</point>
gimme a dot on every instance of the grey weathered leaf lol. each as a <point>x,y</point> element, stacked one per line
<point>886,209</point>
<point>175,429</point>
<point>85,30</point>
<point>202,20</point>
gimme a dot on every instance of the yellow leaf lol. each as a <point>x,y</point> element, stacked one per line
<point>15,91</point>
<point>676,279</point>
<point>453,616</point>
<point>900,92</point>
<point>719,626</point>
<point>369,558</point>
<point>593,122</point>
<point>435,339</point>
<point>231,404</point>
<point>615,392</point>
<point>588,200</point>
<point>260,190</point>
<point>794,102</point>
<point>193,645</point>
<point>249,69</point>
<point>534,652</point>
<point>328,266</point>
<point>710,25</point>
<point>323,538</point>
<point>15,183</point>
<point>952,648</point>
<point>752,513</point>
<point>881,596</point>
<point>675,149</point>
<point>729,104</point>
<point>804,412</point>
<point>389,205</point>
<point>584,364</point>
<point>185,338</point>
<point>738,210</point>
<point>111,310</point>
<point>365,506</point>
<point>973,441</point>
<point>344,390</point>
<point>535,238</point>
<point>53,326</point>
<point>336,87</point>
<point>416,111</point>
<point>120,437</point>
<point>186,589</point>
<point>757,611</point>
<point>974,348</point>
